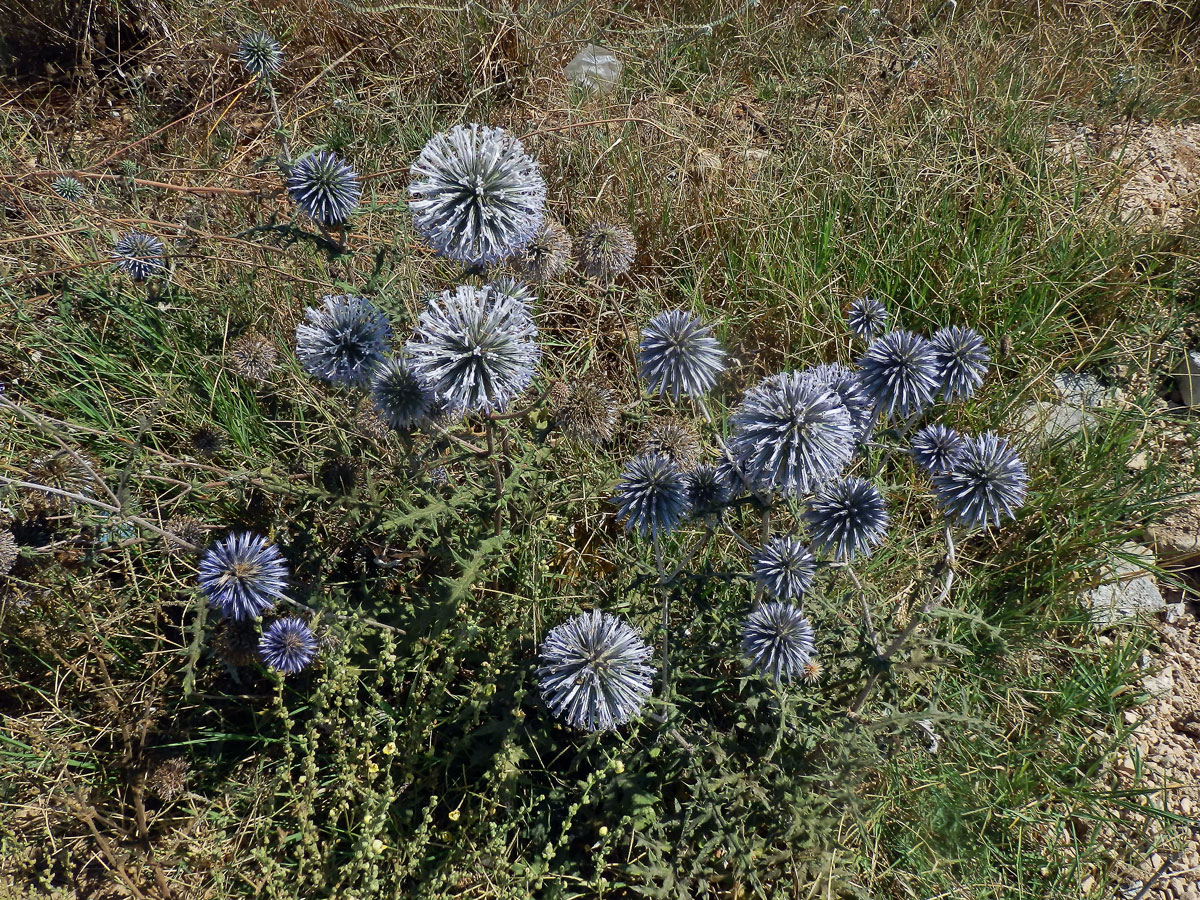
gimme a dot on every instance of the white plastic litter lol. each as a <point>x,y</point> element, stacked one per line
<point>595,68</point>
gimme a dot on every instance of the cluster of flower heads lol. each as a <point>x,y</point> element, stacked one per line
<point>794,435</point>
<point>244,577</point>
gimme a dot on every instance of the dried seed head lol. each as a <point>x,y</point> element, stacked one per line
<point>589,415</point>
<point>548,255</point>
<point>675,438</point>
<point>253,357</point>
<point>605,250</point>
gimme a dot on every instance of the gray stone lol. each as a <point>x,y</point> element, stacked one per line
<point>1188,379</point>
<point>1082,390</point>
<point>1046,423</point>
<point>1127,589</point>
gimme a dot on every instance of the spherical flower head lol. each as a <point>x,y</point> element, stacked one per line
<point>138,255</point>
<point>867,318</point>
<point>253,357</point>
<point>962,360</point>
<point>706,491</point>
<point>68,188</point>
<point>548,253</point>
<point>324,187</point>
<point>594,673</point>
<point>845,384</point>
<point>475,349</point>
<point>260,54</point>
<point>343,341</point>
<point>933,448</point>
<point>986,482</point>
<point>678,355</point>
<point>402,397</point>
<point>675,438</point>
<point>288,645</point>
<point>589,413</point>
<point>605,250</point>
<point>846,518</point>
<point>784,568</point>
<point>778,641</point>
<point>477,197</point>
<point>513,289</point>
<point>243,575</point>
<point>652,495</point>
<point>900,373</point>
<point>791,434</point>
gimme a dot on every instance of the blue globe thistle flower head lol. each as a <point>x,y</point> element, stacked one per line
<point>846,518</point>
<point>476,349</point>
<point>324,187</point>
<point>402,397</point>
<point>867,318</point>
<point>477,197</point>
<point>706,491</point>
<point>69,188</point>
<point>899,372</point>
<point>791,433</point>
<point>962,361</point>
<point>846,385</point>
<point>594,673</point>
<point>138,255</point>
<point>784,568</point>
<point>651,495</point>
<point>288,645</point>
<point>778,641</point>
<point>678,355</point>
<point>260,54</point>
<point>986,482</point>
<point>343,341</point>
<point>933,448</point>
<point>243,575</point>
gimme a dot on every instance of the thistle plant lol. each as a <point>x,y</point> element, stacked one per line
<point>243,576</point>
<point>547,256</point>
<point>253,357</point>
<point>475,349</point>
<point>325,188</point>
<point>588,415</point>
<point>69,188</point>
<point>138,255</point>
<point>962,360</point>
<point>679,355</point>
<point>900,373</point>
<point>784,568</point>
<point>933,448</point>
<point>402,398</point>
<point>779,641</point>
<point>867,318</point>
<point>261,54</point>
<point>477,197</point>
<point>594,673</point>
<point>343,341</point>
<point>288,645</point>
<point>846,518</point>
<point>984,483</point>
<point>605,250</point>
<point>651,496</point>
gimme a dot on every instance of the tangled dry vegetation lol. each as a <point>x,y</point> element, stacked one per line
<point>1035,169</point>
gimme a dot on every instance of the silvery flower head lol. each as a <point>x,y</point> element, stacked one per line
<point>68,188</point>
<point>402,397</point>
<point>243,575</point>
<point>867,318</point>
<point>784,568</point>
<point>138,255</point>
<point>260,54</point>
<point>846,385</point>
<point>343,341</point>
<point>288,645</point>
<point>605,250</point>
<point>475,348</point>
<point>513,289</point>
<point>962,360</point>
<point>706,491</point>
<point>651,495</point>
<point>846,518</point>
<point>477,197</point>
<point>678,355</point>
<point>548,253</point>
<point>324,187</point>
<point>778,640</point>
<point>594,673</point>
<point>933,448</point>
<point>791,433</point>
<point>985,483</point>
<point>900,373</point>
